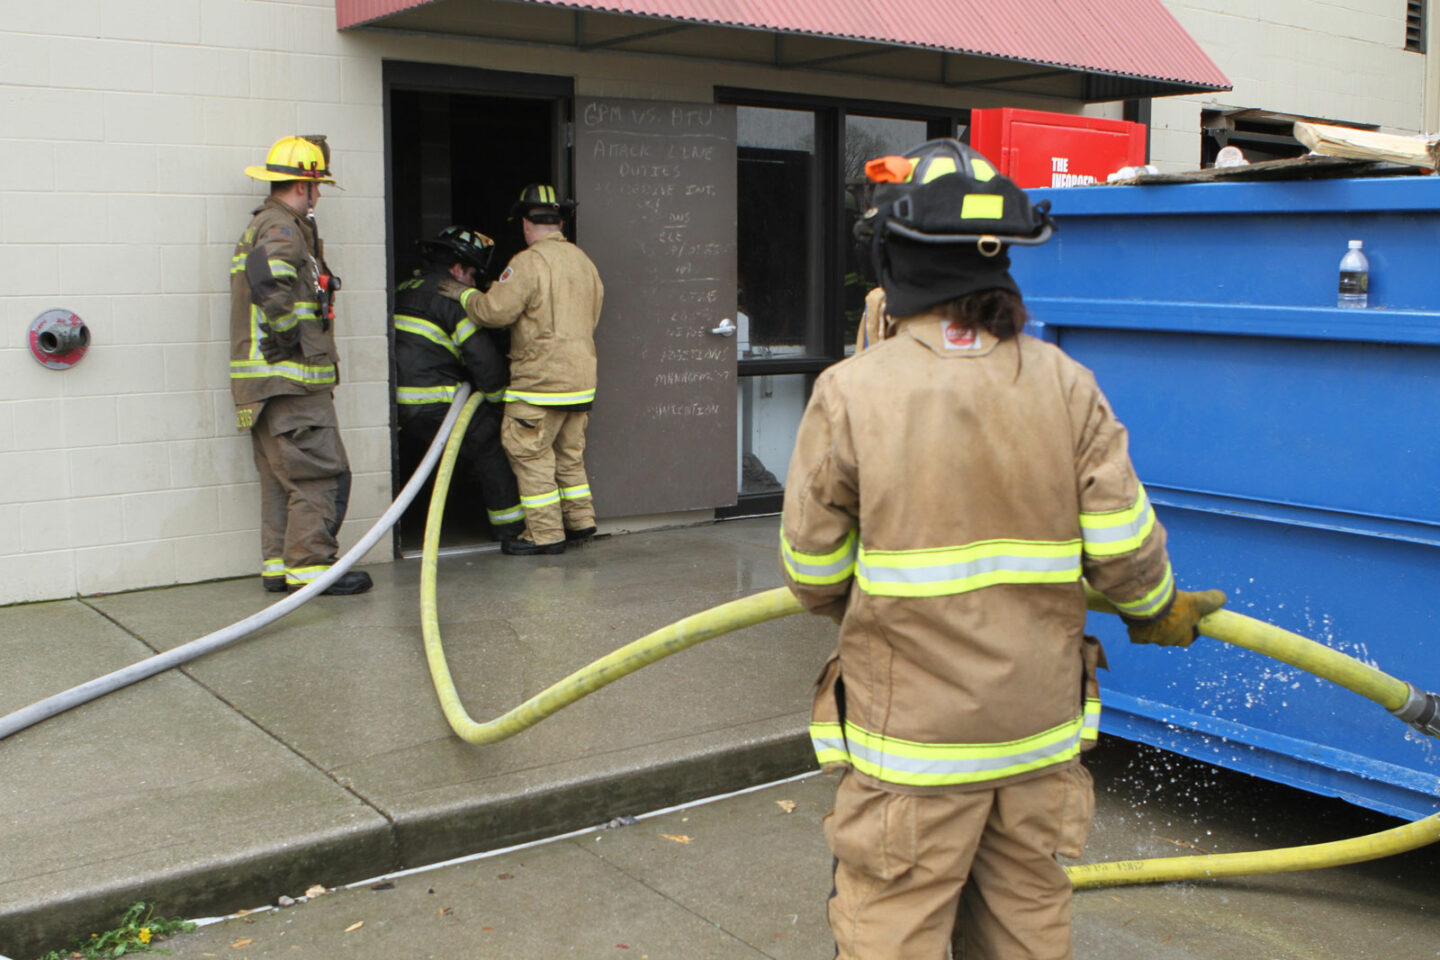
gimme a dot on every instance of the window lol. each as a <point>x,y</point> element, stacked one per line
<point>802,280</point>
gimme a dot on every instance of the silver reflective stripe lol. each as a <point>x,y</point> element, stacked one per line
<point>956,767</point>
<point>965,570</point>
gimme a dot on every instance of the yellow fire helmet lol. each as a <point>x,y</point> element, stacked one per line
<point>294,158</point>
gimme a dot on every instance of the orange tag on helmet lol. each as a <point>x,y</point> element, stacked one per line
<point>889,169</point>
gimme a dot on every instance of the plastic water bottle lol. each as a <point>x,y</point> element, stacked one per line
<point>1354,278</point>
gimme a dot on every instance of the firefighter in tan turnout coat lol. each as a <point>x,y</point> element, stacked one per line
<point>950,487</point>
<point>549,296</point>
<point>284,368</point>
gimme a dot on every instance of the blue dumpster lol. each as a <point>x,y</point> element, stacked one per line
<point>1291,448</point>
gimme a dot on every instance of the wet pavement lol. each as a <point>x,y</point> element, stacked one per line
<point>314,753</point>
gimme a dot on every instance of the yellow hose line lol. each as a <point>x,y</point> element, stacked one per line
<point>745,612</point>
<point>1224,625</point>
<point>1214,866</point>
<point>1239,630</point>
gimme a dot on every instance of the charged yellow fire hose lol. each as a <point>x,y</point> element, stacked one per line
<point>1400,698</point>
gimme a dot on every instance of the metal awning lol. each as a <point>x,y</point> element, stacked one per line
<point>1085,50</point>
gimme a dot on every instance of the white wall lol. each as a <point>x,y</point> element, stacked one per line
<point>1343,60</point>
<point>121,199</point>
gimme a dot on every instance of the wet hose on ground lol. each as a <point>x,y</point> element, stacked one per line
<point>1415,707</point>
<point>94,689</point>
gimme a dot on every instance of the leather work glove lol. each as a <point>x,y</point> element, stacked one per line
<point>452,288</point>
<point>273,350</point>
<point>1177,628</point>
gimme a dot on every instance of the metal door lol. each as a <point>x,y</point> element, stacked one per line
<point>655,184</point>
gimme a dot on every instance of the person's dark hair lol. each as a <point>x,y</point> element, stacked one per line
<point>1000,312</point>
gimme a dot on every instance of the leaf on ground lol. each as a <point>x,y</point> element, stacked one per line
<point>676,837</point>
<point>241,944</point>
<point>787,805</point>
<point>318,890</point>
<point>242,913</point>
<point>355,926</point>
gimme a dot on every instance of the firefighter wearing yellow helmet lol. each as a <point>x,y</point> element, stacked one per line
<point>284,368</point>
<point>995,477</point>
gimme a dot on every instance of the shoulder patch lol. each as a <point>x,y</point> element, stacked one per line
<point>506,274</point>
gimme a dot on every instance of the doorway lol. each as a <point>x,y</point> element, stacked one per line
<point>460,157</point>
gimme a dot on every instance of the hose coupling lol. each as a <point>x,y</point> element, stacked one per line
<point>1421,710</point>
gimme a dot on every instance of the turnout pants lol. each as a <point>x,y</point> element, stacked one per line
<point>976,870</point>
<point>547,451</point>
<point>304,485</point>
<point>482,463</point>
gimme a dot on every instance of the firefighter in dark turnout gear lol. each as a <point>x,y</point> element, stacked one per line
<point>284,368</point>
<point>436,348</point>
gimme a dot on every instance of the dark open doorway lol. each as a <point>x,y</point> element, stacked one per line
<point>460,158</point>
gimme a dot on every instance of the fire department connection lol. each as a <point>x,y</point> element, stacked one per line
<point>1419,709</point>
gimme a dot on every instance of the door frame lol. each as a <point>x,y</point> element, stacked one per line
<point>439,78</point>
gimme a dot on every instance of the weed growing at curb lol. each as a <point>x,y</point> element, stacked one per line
<point>138,928</point>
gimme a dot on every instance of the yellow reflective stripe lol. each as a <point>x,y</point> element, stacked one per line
<point>288,369</point>
<point>1153,602</point>
<point>540,500</point>
<point>1114,532</point>
<point>286,321</point>
<point>465,297</point>
<point>272,567</point>
<point>937,168</point>
<point>819,569</point>
<point>982,206</point>
<point>237,264</point>
<point>547,194</point>
<point>981,170</point>
<point>1091,727</point>
<point>943,571</point>
<point>579,492</point>
<point>508,515</point>
<point>464,331</point>
<point>911,763</point>
<point>497,397</point>
<point>413,396</point>
<point>304,574</point>
<point>550,399</point>
<point>282,270</point>
<point>307,310</point>
<point>421,327</point>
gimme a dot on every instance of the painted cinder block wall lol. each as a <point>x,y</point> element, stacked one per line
<point>125,126</point>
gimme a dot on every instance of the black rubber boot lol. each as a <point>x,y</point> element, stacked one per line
<point>274,584</point>
<point>351,582</point>
<point>579,536</point>
<point>526,548</point>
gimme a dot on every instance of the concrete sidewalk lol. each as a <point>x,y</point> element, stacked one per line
<point>315,751</point>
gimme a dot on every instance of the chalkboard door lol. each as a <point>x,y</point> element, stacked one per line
<point>655,182</point>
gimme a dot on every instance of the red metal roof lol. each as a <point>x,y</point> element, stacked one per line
<point>1132,38</point>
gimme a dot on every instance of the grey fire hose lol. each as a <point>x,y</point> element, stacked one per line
<point>94,689</point>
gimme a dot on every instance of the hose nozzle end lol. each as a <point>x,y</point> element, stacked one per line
<point>1421,710</point>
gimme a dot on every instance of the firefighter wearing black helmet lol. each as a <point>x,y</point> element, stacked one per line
<point>549,297</point>
<point>995,477</point>
<point>436,349</point>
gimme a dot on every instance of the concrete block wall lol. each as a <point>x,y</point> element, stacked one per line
<point>121,199</point>
<point>1343,60</point>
